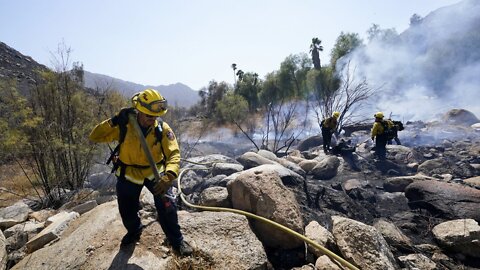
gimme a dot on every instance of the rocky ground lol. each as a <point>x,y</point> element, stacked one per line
<point>417,210</point>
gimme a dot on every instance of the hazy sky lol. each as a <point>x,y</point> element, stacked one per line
<point>192,42</point>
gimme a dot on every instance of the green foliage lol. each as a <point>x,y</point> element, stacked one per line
<point>210,96</point>
<point>50,127</point>
<point>291,76</point>
<point>16,117</point>
<point>346,43</point>
<point>233,108</point>
<point>248,86</point>
<point>385,36</point>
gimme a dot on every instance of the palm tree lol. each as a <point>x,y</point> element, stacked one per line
<point>315,48</point>
<point>234,67</point>
<point>240,74</point>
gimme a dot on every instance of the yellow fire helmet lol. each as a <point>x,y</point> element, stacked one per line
<point>378,115</point>
<point>336,114</point>
<point>150,102</point>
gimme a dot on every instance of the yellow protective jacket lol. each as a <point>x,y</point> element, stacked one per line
<point>330,123</point>
<point>131,152</point>
<point>378,129</point>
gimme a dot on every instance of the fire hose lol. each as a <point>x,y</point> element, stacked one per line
<point>151,161</point>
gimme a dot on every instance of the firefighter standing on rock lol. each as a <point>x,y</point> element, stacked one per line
<point>133,170</point>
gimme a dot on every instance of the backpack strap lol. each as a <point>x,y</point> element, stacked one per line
<point>114,153</point>
<point>158,135</point>
<point>123,132</point>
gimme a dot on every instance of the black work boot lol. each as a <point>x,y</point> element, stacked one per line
<point>184,249</point>
<point>132,237</point>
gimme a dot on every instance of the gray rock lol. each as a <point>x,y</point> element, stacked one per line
<point>326,169</point>
<point>461,235</point>
<point>417,261</point>
<point>56,227</point>
<point>225,238</point>
<point>321,236</point>
<point>85,207</point>
<point>392,234</point>
<point>226,168</point>
<point>215,196</point>
<point>251,159</point>
<point>14,214</point>
<point>310,143</point>
<point>399,183</point>
<point>362,245</point>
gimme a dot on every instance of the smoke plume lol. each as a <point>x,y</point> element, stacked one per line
<point>430,68</point>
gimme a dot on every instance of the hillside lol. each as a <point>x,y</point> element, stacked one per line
<point>177,94</point>
<point>22,68</point>
<point>15,65</point>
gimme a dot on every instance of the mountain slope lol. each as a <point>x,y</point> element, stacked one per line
<point>177,94</point>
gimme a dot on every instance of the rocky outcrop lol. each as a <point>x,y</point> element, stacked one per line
<point>450,200</point>
<point>93,242</point>
<point>262,193</point>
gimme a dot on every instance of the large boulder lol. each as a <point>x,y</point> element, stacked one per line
<point>362,245</point>
<point>14,214</point>
<point>225,238</point>
<point>461,235</point>
<point>93,242</point>
<point>450,200</point>
<point>262,193</point>
<point>310,142</point>
<point>434,166</point>
<point>399,183</point>
<point>326,169</point>
<point>251,159</point>
<point>226,168</point>
<point>321,236</point>
<point>215,196</point>
<point>460,117</point>
<point>392,234</point>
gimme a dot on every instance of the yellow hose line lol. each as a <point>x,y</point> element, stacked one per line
<point>270,222</point>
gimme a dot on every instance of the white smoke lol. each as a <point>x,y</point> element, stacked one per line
<point>432,67</point>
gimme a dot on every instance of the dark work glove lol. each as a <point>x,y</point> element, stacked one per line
<point>121,118</point>
<point>161,187</point>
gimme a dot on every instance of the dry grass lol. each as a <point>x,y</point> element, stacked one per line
<point>14,184</point>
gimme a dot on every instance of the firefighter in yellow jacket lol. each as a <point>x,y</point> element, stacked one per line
<point>329,125</point>
<point>133,170</point>
<point>380,134</point>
